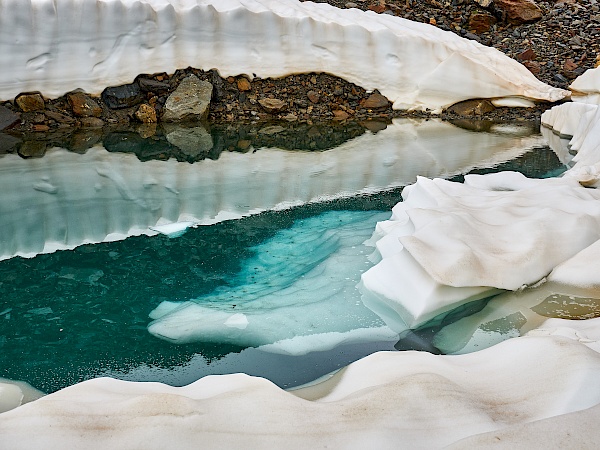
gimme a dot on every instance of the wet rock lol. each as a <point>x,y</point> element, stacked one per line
<point>472,107</point>
<point>30,102</point>
<point>8,143</point>
<point>92,122</point>
<point>59,117</point>
<point>519,11</point>
<point>7,118</point>
<point>124,96</point>
<point>243,84</point>
<point>85,138</point>
<point>480,22</point>
<point>146,114</point>
<point>32,149</point>
<point>150,85</point>
<point>195,142</point>
<point>83,105</point>
<point>375,101</point>
<point>272,105</point>
<point>338,114</point>
<point>190,101</point>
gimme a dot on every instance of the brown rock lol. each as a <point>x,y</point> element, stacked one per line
<point>272,105</point>
<point>377,8</point>
<point>146,114</point>
<point>313,96</point>
<point>83,105</point>
<point>40,128</point>
<point>375,101</point>
<point>519,11</point>
<point>244,145</point>
<point>480,22</point>
<point>338,114</point>
<point>30,102</point>
<point>569,68</point>
<point>527,55</point>
<point>533,66</point>
<point>243,84</point>
<point>474,107</point>
<point>92,122</point>
<point>59,117</point>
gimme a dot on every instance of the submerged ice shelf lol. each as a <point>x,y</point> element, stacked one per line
<point>101,196</point>
<point>59,45</point>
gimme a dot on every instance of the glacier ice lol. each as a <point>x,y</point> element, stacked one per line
<point>57,46</point>
<point>301,282</point>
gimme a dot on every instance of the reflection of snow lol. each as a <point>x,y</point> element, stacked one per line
<point>299,283</point>
<point>64,200</point>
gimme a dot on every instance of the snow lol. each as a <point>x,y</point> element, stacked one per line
<point>56,46</point>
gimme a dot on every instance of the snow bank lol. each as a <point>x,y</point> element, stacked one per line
<point>57,46</point>
<point>386,400</point>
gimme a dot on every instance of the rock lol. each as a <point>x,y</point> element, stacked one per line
<point>519,11</point>
<point>533,66</point>
<point>92,122</point>
<point>190,101</point>
<point>338,114</point>
<point>7,118</point>
<point>244,145</point>
<point>480,22</point>
<point>150,85</point>
<point>30,102</point>
<point>474,107</point>
<point>195,142</point>
<point>375,101</point>
<point>40,128</point>
<point>374,126</point>
<point>313,96</point>
<point>146,130</point>
<point>84,138</point>
<point>59,117</point>
<point>484,3</point>
<point>569,68</point>
<point>243,84</point>
<point>32,149</point>
<point>124,96</point>
<point>146,114</point>
<point>527,55</point>
<point>8,143</point>
<point>83,105</point>
<point>272,105</point>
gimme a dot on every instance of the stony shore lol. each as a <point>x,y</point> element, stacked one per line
<point>555,41</point>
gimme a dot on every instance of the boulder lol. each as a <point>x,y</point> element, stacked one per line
<point>472,107</point>
<point>83,105</point>
<point>272,105</point>
<point>124,96</point>
<point>30,102</point>
<point>376,101</point>
<point>190,101</point>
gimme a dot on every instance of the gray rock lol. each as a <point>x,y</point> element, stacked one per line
<point>193,141</point>
<point>124,96</point>
<point>190,101</point>
<point>7,118</point>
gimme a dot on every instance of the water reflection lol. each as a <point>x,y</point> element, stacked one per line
<point>66,199</point>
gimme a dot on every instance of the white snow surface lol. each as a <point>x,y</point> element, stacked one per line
<point>386,400</point>
<point>56,46</point>
<point>101,196</point>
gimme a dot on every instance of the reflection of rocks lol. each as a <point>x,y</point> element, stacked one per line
<point>32,149</point>
<point>7,118</point>
<point>190,101</point>
<point>8,143</point>
<point>193,141</point>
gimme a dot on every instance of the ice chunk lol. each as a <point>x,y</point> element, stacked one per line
<point>173,230</point>
<point>16,393</point>
<point>300,282</point>
<point>499,231</point>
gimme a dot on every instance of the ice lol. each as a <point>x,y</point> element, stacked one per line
<point>101,196</point>
<point>49,45</point>
<point>16,393</point>
<point>300,282</point>
<point>544,383</point>
<point>460,242</point>
<point>173,230</point>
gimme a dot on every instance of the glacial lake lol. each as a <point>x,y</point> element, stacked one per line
<point>261,277</point>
